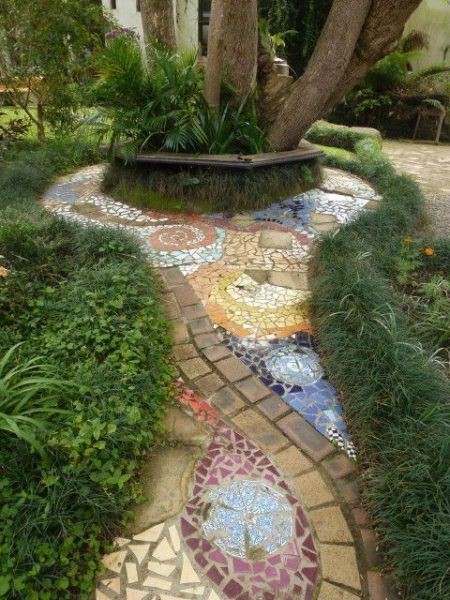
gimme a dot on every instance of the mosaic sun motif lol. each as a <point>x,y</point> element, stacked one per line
<point>249,519</point>
<point>240,304</point>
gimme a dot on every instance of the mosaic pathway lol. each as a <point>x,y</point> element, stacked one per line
<point>242,533</point>
<point>249,269</point>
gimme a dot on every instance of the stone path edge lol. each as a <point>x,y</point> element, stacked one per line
<point>326,480</point>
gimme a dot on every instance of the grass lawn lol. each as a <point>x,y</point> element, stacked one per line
<point>84,304</point>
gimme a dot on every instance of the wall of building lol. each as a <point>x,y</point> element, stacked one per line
<point>127,15</point>
<point>433,18</point>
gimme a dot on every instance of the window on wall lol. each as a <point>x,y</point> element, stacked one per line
<point>138,5</point>
<point>204,12</point>
<point>113,4</point>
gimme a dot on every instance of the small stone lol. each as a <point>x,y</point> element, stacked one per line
<point>330,525</point>
<point>289,280</point>
<point>131,570</point>
<point>166,482</point>
<point>114,562</point>
<point>339,565</point>
<point>275,239</point>
<point>312,489</point>
<point>184,429</point>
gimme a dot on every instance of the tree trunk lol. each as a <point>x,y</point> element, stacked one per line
<point>158,21</point>
<point>232,48</point>
<point>40,121</point>
<point>332,72</point>
<point>310,94</point>
<point>382,32</point>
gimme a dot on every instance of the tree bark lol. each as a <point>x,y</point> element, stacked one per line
<point>232,49</point>
<point>339,63</point>
<point>381,34</point>
<point>158,21</point>
<point>328,64</point>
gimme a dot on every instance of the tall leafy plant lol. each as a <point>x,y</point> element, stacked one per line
<point>29,395</point>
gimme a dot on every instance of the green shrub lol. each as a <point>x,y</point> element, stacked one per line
<point>395,395</point>
<point>86,302</point>
<point>337,136</point>
<point>161,106</point>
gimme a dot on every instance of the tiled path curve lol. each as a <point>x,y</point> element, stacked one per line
<point>270,505</point>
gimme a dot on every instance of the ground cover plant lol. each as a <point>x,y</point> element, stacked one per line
<point>83,382</point>
<point>395,394</point>
<point>202,190</point>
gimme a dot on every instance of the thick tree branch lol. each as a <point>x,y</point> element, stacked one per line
<point>310,94</point>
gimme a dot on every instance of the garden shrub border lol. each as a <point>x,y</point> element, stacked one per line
<point>395,396</point>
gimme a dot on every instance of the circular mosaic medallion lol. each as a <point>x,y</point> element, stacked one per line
<point>294,364</point>
<point>249,519</point>
<point>182,237</point>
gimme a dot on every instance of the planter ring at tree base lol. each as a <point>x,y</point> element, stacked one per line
<point>304,153</point>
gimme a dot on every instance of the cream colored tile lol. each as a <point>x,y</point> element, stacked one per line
<point>150,535</point>
<point>137,594</point>
<point>156,582</point>
<point>132,575</point>
<point>175,538</point>
<point>160,568</point>
<point>112,584</point>
<point>140,551</point>
<point>114,562</point>
<point>163,551</point>
<point>188,575</point>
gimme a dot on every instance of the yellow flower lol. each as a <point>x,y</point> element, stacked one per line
<point>429,252</point>
<point>407,241</point>
<point>4,272</point>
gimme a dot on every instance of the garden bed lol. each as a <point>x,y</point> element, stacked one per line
<point>85,305</point>
<point>394,392</point>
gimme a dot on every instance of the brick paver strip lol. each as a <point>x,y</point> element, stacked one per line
<point>215,353</point>
<point>292,462</point>
<point>254,409</point>
<point>195,311</point>
<point>184,351</point>
<point>313,490</point>
<point>252,389</point>
<point>209,384</point>
<point>339,565</point>
<point>338,466</point>
<point>273,407</point>
<point>202,325</point>
<point>378,587</point>
<point>370,543</point>
<point>185,295</point>
<point>332,592</point>
<point>260,431</point>
<point>330,525</point>
<point>233,369</point>
<point>306,437</point>
<point>194,367</point>
<point>227,401</point>
<point>206,340</point>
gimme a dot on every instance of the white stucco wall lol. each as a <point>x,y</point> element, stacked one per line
<point>126,15</point>
<point>186,20</point>
<point>433,18</point>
